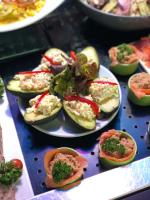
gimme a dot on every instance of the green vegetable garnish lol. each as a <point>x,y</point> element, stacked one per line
<point>1,87</point>
<point>124,50</point>
<point>111,145</point>
<point>9,173</point>
<point>61,171</point>
<point>64,82</point>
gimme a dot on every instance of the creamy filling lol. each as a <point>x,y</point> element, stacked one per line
<point>57,57</point>
<point>80,109</point>
<point>46,105</point>
<point>141,80</point>
<point>34,81</point>
<point>70,160</point>
<point>103,92</point>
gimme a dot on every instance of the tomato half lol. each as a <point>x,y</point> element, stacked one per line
<point>17,163</point>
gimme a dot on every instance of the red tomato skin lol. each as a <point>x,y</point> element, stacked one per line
<point>17,163</point>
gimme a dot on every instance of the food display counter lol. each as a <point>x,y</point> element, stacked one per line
<point>69,29</point>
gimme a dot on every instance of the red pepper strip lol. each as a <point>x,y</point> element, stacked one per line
<point>73,55</point>
<point>93,105</point>
<point>102,82</point>
<point>40,98</point>
<point>51,61</point>
<point>35,72</point>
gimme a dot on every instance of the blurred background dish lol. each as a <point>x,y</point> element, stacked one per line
<point>119,22</point>
<point>44,10</point>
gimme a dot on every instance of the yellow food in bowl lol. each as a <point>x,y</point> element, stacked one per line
<point>12,12</point>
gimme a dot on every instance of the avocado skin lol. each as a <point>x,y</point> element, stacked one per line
<point>91,53</point>
<point>13,87</point>
<point>124,69</point>
<point>35,121</point>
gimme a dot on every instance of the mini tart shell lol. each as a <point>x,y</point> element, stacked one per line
<point>124,69</point>
<point>144,101</point>
<point>67,183</point>
<point>110,162</point>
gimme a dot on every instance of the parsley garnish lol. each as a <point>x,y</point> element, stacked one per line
<point>111,145</point>
<point>9,173</point>
<point>61,171</point>
<point>124,50</point>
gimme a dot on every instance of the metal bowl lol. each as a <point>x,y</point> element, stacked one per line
<point>124,23</point>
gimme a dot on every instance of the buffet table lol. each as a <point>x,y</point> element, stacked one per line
<point>68,29</point>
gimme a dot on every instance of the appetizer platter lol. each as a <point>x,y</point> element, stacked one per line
<point>101,100</point>
<point>69,95</point>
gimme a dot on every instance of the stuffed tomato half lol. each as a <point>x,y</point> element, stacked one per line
<point>139,89</point>
<point>124,60</point>
<point>64,168</point>
<point>116,148</point>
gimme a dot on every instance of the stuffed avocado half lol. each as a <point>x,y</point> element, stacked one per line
<point>116,148</point>
<point>64,168</point>
<point>139,89</point>
<point>55,59</point>
<point>105,93</point>
<point>82,111</point>
<point>124,60</point>
<point>42,108</point>
<point>30,83</point>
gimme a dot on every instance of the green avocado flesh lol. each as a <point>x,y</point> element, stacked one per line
<point>90,125</point>
<point>144,101</point>
<point>108,100</point>
<point>124,69</point>
<point>33,118</point>
<point>110,105</point>
<point>110,163</point>
<point>91,54</point>
<point>13,87</point>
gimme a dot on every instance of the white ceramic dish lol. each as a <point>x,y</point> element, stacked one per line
<point>50,6</point>
<point>62,125</point>
<point>147,69</point>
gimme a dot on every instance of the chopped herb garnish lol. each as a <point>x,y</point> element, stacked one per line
<point>9,173</point>
<point>124,50</point>
<point>61,171</point>
<point>112,145</point>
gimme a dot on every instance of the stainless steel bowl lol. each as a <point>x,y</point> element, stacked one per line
<point>113,21</point>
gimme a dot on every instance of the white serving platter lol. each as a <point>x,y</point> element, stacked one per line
<point>62,125</point>
<point>49,7</point>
